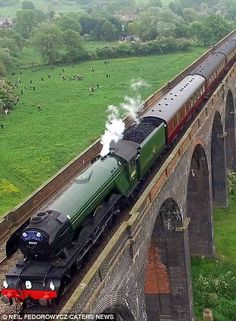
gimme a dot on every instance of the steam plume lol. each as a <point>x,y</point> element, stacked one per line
<point>137,84</point>
<point>114,124</point>
<point>114,129</point>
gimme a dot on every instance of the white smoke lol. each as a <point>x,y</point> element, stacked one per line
<point>137,84</point>
<point>114,124</point>
<point>132,106</point>
<point>114,129</point>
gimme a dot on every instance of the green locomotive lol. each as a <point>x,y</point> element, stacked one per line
<point>92,200</point>
<point>56,241</point>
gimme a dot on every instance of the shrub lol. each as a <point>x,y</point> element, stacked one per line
<point>124,50</point>
<point>214,287</point>
<point>106,52</point>
<point>2,70</point>
<point>5,57</point>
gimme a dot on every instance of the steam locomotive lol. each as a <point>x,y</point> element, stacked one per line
<point>55,242</point>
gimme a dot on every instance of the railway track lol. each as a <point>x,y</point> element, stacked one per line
<point>12,220</point>
<point>42,199</point>
<point>5,265</point>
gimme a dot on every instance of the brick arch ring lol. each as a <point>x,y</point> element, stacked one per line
<point>119,303</point>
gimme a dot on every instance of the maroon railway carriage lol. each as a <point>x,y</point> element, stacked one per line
<point>176,107</point>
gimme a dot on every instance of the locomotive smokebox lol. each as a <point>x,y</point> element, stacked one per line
<point>37,240</point>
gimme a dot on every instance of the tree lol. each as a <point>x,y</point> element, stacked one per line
<point>108,31</point>
<point>211,29</point>
<point>10,45</point>
<point>51,14</point>
<point>8,3</point>
<point>27,5</point>
<point>190,14</point>
<point>176,8</point>
<point>5,57</point>
<point>102,27</point>
<point>70,21</point>
<point>227,9</point>
<point>84,2</point>
<point>117,23</point>
<point>74,45</point>
<point>11,34</point>
<point>26,21</point>
<point>154,3</point>
<point>156,22</point>
<point>3,70</point>
<point>40,15</point>
<point>88,23</point>
<point>48,40</point>
<point>191,3</point>
<point>124,3</point>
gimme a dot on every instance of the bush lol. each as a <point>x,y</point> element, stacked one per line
<point>162,45</point>
<point>7,96</point>
<point>106,52</point>
<point>10,45</point>
<point>124,50</point>
<point>27,5</point>
<point>231,175</point>
<point>214,288</point>
<point>3,71</point>
<point>5,57</point>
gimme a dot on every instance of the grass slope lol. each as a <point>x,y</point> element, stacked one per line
<point>214,281</point>
<point>36,144</point>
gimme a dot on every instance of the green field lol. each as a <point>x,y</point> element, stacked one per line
<point>164,2</point>
<point>58,6</point>
<point>214,281</point>
<point>36,144</point>
<point>43,5</point>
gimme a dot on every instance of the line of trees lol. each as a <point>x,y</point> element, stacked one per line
<point>7,3</point>
<point>162,45</point>
<point>61,37</point>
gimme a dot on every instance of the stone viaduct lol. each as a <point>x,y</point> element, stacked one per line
<point>144,271</point>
